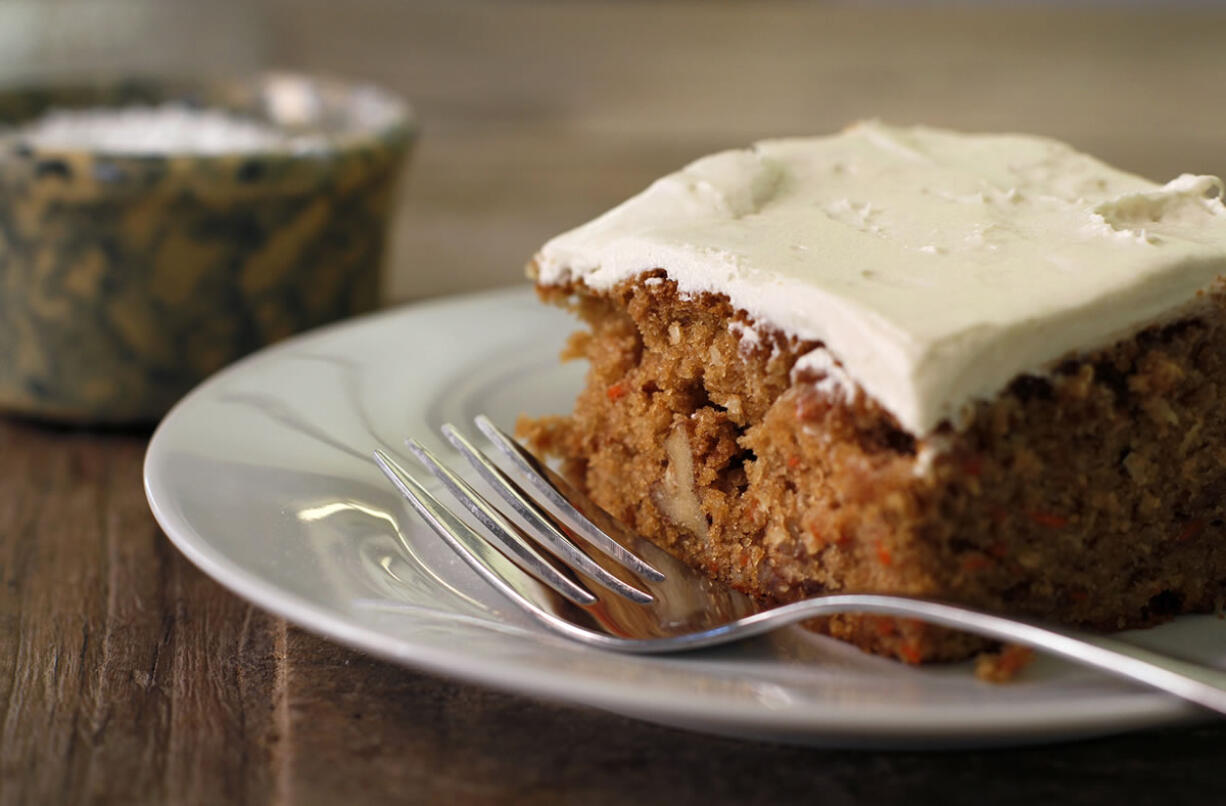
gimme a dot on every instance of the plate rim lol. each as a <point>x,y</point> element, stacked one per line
<point>877,726</point>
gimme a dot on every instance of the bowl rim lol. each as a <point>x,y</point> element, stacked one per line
<point>397,126</point>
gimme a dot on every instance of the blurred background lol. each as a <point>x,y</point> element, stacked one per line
<point>537,115</point>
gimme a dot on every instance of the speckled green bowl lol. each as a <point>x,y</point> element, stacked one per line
<point>126,279</point>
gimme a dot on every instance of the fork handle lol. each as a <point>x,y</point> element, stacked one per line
<point>1193,682</point>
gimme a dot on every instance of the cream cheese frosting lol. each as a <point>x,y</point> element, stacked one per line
<point>933,266</point>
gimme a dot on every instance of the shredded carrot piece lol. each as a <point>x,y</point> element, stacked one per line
<point>883,554</point>
<point>818,539</point>
<point>751,507</point>
<point>1013,658</point>
<point>976,562</point>
<point>793,462</point>
<point>910,652</point>
<point>617,391</point>
<point>885,626</point>
<point>1190,530</point>
<point>1049,519</point>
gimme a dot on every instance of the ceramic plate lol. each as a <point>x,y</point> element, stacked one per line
<point>262,477</point>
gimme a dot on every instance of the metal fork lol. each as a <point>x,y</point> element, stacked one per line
<point>607,587</point>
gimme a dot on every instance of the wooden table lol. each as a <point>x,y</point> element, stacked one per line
<point>126,676</point>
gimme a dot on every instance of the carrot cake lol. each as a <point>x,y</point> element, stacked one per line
<point>988,369</point>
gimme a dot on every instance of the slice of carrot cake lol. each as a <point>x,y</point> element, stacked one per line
<point>984,368</point>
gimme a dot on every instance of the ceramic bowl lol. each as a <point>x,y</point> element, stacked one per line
<point>129,277</point>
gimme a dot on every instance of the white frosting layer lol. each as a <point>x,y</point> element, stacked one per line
<point>829,378</point>
<point>934,266</point>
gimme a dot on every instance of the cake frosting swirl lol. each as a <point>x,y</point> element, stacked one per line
<point>934,267</point>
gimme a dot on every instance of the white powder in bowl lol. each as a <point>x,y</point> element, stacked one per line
<point>171,128</point>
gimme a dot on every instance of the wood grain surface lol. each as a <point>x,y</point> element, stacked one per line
<point>126,676</point>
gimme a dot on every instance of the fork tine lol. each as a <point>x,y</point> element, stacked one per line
<point>527,466</point>
<point>490,564</point>
<point>507,533</point>
<point>549,533</point>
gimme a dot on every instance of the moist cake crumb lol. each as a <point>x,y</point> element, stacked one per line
<point>1002,666</point>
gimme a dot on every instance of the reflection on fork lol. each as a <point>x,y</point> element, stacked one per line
<point>583,575</point>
